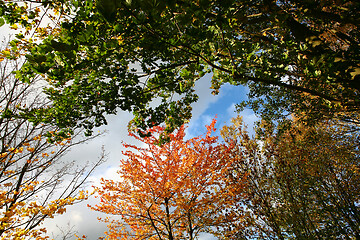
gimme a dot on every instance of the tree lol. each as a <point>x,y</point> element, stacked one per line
<point>303,182</point>
<point>35,182</point>
<point>295,56</point>
<point>171,191</point>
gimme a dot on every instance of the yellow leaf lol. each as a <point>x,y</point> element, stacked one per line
<point>14,26</point>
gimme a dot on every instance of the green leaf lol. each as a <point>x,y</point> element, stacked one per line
<point>2,22</point>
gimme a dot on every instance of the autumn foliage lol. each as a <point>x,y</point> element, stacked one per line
<point>27,194</point>
<point>303,181</point>
<point>288,182</point>
<point>35,182</point>
<point>171,191</point>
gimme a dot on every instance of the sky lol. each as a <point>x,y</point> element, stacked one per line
<point>83,220</point>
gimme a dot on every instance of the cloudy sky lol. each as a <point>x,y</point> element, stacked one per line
<point>84,221</point>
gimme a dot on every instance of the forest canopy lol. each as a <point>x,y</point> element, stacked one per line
<point>298,57</point>
<point>70,64</point>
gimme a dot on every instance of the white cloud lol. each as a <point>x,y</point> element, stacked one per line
<point>76,217</point>
<point>202,89</point>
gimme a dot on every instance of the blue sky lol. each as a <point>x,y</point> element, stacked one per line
<point>222,106</point>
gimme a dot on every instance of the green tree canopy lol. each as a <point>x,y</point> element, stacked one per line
<point>295,56</point>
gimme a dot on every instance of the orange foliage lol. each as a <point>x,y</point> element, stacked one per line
<point>173,191</point>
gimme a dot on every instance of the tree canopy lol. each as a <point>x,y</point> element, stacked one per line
<point>35,182</point>
<point>94,58</point>
<point>295,56</point>
<point>297,183</point>
<point>173,191</point>
<point>303,183</point>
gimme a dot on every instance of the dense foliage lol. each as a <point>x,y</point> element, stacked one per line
<point>302,184</point>
<point>295,56</point>
<point>298,183</point>
<point>173,191</point>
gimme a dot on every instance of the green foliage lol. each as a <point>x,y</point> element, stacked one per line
<point>297,57</point>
